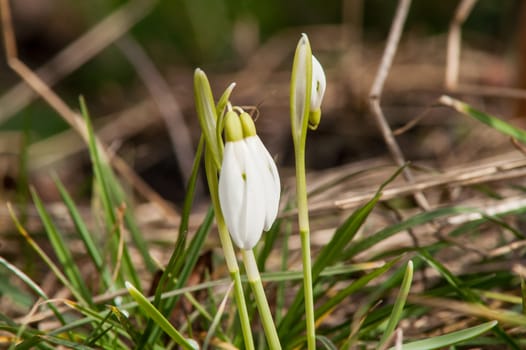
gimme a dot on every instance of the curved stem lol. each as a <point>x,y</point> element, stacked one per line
<point>254,280</point>
<point>233,268</point>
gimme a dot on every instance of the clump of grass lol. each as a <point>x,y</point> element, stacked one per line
<point>377,302</point>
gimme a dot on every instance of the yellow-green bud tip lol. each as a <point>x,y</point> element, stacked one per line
<point>314,119</point>
<point>249,129</point>
<point>233,128</point>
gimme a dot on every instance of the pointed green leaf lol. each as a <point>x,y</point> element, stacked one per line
<point>448,339</point>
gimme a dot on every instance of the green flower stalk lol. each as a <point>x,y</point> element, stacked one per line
<point>208,118</point>
<point>307,88</point>
<point>245,189</point>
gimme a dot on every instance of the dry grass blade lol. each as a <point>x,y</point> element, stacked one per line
<point>472,309</point>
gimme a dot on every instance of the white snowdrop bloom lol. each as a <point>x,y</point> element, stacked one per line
<point>249,185</point>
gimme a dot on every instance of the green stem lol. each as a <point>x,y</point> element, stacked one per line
<point>303,221</point>
<point>233,268</point>
<point>228,251</point>
<point>254,280</point>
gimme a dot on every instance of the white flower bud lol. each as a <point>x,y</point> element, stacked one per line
<point>249,187</point>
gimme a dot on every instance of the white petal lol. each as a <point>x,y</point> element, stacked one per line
<point>254,204</point>
<point>240,195</point>
<point>270,179</point>
<point>318,85</point>
<point>231,189</point>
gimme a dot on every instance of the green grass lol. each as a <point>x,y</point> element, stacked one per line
<point>359,303</point>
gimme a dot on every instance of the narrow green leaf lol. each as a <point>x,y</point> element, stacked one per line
<point>98,332</point>
<point>177,259</point>
<point>453,338</point>
<point>61,249</point>
<point>97,316</point>
<point>523,295</point>
<point>328,255</point>
<point>353,287</point>
<point>343,235</point>
<point>493,122</point>
<point>398,307</point>
<point>327,344</point>
<point>152,312</point>
<point>269,239</point>
<point>105,181</point>
<point>217,318</point>
<point>49,262</point>
<point>33,286</point>
<point>125,322</point>
<point>454,281</point>
<point>86,237</point>
<point>419,219</point>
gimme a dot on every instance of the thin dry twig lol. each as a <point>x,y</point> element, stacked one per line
<point>413,122</point>
<point>376,94</point>
<point>492,91</point>
<point>166,103</point>
<point>454,41</point>
<point>72,118</point>
<point>73,56</point>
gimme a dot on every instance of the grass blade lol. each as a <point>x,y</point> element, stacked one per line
<point>398,307</point>
<point>178,258</point>
<point>326,256</point>
<point>49,262</point>
<point>159,319</point>
<point>105,180</point>
<point>34,286</point>
<point>217,318</point>
<point>85,235</point>
<point>448,339</point>
<point>63,253</point>
<point>495,123</point>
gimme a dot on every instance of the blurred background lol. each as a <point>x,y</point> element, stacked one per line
<point>133,62</point>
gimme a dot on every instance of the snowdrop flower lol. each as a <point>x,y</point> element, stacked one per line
<point>249,185</point>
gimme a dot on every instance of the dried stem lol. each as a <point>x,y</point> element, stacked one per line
<point>454,42</point>
<point>376,93</point>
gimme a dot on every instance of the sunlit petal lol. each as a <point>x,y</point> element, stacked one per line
<point>269,177</point>
<point>318,85</point>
